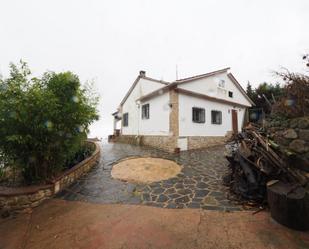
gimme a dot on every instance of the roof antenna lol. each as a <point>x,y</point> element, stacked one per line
<point>176,72</point>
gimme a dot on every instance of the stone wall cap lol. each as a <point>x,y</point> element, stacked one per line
<point>7,191</point>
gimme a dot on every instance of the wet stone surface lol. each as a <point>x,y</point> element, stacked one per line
<point>198,185</point>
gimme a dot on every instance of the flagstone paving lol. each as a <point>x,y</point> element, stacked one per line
<point>198,185</point>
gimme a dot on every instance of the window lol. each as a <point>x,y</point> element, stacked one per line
<point>221,83</point>
<point>125,119</point>
<point>216,117</point>
<point>198,115</point>
<point>145,111</point>
<point>230,94</point>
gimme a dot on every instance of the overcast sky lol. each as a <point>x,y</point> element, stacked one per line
<point>111,41</point>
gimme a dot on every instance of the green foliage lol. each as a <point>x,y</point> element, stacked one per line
<point>265,95</point>
<point>43,121</point>
<point>82,153</point>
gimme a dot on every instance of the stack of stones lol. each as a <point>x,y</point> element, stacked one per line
<point>291,134</point>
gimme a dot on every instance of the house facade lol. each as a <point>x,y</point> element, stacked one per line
<point>190,113</point>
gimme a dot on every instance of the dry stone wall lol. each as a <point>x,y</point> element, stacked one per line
<point>292,135</point>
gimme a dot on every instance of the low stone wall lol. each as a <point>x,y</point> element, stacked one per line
<point>166,143</point>
<point>204,142</point>
<point>18,199</point>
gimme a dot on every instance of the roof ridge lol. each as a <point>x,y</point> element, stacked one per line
<point>203,75</point>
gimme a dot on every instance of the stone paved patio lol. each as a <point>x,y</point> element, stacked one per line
<point>199,184</point>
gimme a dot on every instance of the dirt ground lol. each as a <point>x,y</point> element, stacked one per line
<point>145,170</point>
<point>65,224</point>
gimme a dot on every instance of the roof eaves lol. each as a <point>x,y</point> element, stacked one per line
<point>156,92</point>
<point>130,90</point>
<point>154,80</point>
<point>204,96</point>
<point>231,76</point>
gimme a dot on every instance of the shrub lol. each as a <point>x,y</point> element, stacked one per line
<point>82,153</point>
<point>43,121</point>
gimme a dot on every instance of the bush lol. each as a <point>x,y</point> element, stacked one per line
<point>83,152</point>
<point>43,121</point>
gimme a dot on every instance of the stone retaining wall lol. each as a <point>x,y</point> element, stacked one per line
<point>292,135</point>
<point>18,199</point>
<point>197,142</point>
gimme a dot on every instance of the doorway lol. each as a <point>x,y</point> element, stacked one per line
<point>234,121</point>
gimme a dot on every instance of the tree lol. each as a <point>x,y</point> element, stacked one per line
<point>43,121</point>
<point>265,95</point>
<point>295,102</point>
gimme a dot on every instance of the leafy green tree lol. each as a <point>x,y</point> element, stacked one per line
<point>250,91</point>
<point>265,95</point>
<point>43,121</point>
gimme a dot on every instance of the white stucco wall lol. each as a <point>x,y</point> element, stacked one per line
<point>148,86</point>
<point>159,111</point>
<point>188,128</point>
<point>209,86</point>
<point>143,87</point>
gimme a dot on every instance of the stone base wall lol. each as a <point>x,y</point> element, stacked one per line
<point>197,142</point>
<point>166,143</point>
<point>127,139</point>
<point>169,143</point>
<point>21,198</point>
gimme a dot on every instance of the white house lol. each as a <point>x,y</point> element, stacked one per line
<point>190,113</point>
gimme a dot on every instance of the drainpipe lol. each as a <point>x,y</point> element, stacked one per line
<point>138,117</point>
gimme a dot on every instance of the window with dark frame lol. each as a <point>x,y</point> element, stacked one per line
<point>198,115</point>
<point>125,119</point>
<point>216,117</point>
<point>230,94</point>
<point>145,111</point>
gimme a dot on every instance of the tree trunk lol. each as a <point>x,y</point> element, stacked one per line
<point>289,205</point>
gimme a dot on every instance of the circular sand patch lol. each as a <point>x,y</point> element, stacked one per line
<point>145,170</point>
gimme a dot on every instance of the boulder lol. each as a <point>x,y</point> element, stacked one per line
<point>298,146</point>
<point>294,123</point>
<point>290,134</point>
<point>303,123</point>
<point>304,135</point>
<point>281,140</point>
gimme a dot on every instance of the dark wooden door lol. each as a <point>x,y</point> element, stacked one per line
<point>234,121</point>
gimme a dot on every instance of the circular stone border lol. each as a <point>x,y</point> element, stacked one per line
<point>145,169</point>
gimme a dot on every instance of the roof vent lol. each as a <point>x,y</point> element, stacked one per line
<point>142,73</point>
